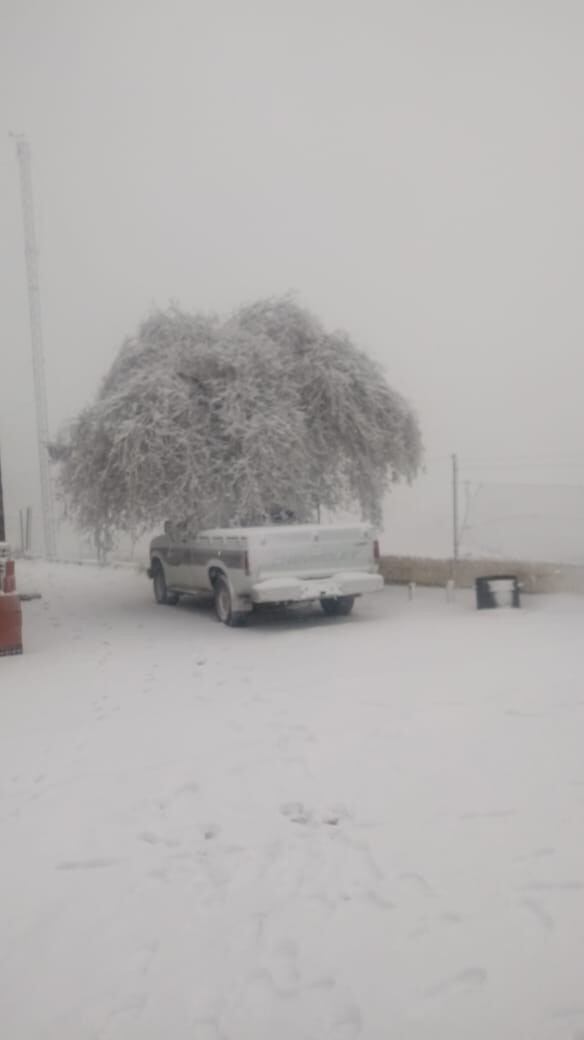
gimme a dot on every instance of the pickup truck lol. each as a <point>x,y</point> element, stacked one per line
<point>243,568</point>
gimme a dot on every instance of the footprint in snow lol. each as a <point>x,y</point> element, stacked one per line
<point>98,863</point>
<point>336,814</point>
<point>150,838</point>
<point>451,918</point>
<point>493,814</point>
<point>554,886</point>
<point>540,914</point>
<point>190,787</point>
<point>296,812</point>
<point>348,1022</point>
<point>470,978</point>
<point>418,880</point>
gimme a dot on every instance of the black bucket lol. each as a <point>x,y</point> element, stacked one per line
<point>498,590</point>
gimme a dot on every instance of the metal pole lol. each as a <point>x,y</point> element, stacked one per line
<point>2,522</point>
<point>38,361</point>
<point>28,541</point>
<point>455,529</point>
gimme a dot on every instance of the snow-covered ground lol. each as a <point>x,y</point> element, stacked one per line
<point>309,828</point>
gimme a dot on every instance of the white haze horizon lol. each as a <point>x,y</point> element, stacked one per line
<point>412,173</point>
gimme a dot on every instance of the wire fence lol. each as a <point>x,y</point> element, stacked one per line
<point>522,508</point>
<point>25,535</point>
<point>502,508</point>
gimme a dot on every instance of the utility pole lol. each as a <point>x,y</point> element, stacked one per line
<point>2,522</point>
<point>455,529</point>
<point>36,335</point>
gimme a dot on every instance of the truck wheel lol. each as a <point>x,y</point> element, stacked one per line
<point>224,603</point>
<point>161,593</point>
<point>338,607</point>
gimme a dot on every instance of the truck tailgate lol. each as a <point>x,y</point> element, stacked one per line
<point>311,551</point>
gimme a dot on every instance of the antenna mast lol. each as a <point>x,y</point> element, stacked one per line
<point>36,335</point>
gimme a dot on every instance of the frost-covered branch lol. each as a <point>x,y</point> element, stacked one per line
<point>225,422</point>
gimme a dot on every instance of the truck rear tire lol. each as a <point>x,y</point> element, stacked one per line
<point>161,593</point>
<point>338,607</point>
<point>224,603</point>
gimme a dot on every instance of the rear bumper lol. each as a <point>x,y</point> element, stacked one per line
<point>299,590</point>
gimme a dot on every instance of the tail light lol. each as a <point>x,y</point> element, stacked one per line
<point>376,553</point>
<point>246,563</point>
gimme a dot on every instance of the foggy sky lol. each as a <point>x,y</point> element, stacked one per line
<point>413,170</point>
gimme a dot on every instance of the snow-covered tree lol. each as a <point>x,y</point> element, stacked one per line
<point>224,422</point>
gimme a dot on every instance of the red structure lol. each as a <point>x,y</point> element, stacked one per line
<point>10,608</point>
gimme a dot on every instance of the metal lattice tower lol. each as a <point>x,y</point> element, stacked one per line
<point>36,334</point>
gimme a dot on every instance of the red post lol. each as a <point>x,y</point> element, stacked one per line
<point>10,608</point>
